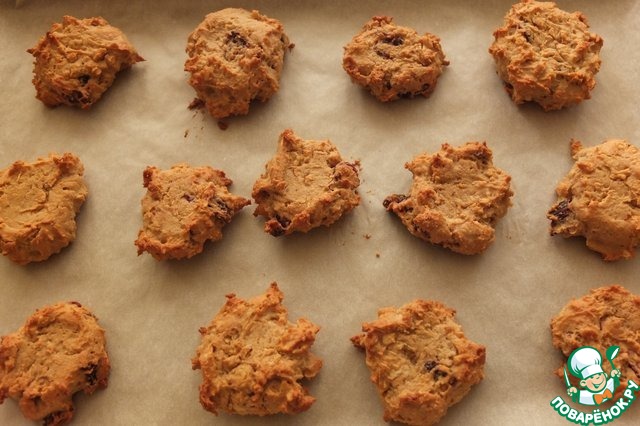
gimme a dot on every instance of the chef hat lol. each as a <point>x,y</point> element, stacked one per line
<point>585,362</point>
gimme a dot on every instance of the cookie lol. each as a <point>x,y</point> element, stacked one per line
<point>183,208</point>
<point>394,62</point>
<point>420,361</point>
<point>77,61</point>
<point>305,185</point>
<point>235,56</point>
<point>599,199</point>
<point>60,350</point>
<point>253,359</point>
<point>38,206</point>
<point>456,198</point>
<point>546,55</point>
<point>607,316</point>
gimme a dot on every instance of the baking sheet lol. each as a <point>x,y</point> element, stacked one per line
<point>336,277</point>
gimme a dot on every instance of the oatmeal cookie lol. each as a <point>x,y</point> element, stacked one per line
<point>420,361</point>
<point>183,208</point>
<point>456,198</point>
<point>59,351</point>
<point>600,199</point>
<point>394,62</point>
<point>252,358</point>
<point>235,56</point>
<point>605,317</point>
<point>38,206</point>
<point>546,55</point>
<point>77,61</point>
<point>306,185</point>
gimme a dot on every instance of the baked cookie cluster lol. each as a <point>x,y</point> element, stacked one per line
<point>305,185</point>
<point>599,199</point>
<point>546,55</point>
<point>394,62</point>
<point>59,351</point>
<point>235,57</point>
<point>253,359</point>
<point>183,208</point>
<point>77,61</point>
<point>420,361</point>
<point>456,198</point>
<point>38,206</point>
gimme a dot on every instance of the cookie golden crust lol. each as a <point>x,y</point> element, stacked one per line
<point>546,55</point>
<point>394,62</point>
<point>305,185</point>
<point>183,208</point>
<point>59,351</point>
<point>252,358</point>
<point>38,206</point>
<point>599,199</point>
<point>235,56</point>
<point>605,317</point>
<point>420,361</point>
<point>456,198</point>
<point>77,61</point>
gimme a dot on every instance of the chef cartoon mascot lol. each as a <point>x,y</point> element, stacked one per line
<point>586,364</point>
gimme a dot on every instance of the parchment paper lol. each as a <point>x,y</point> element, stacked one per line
<point>151,311</point>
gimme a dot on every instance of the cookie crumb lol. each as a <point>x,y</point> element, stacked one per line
<point>367,236</point>
<point>186,133</point>
<point>196,103</point>
<point>378,255</point>
<point>223,125</point>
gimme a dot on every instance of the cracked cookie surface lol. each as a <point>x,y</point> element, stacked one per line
<point>183,208</point>
<point>599,199</point>
<point>420,361</point>
<point>77,61</point>
<point>253,359</point>
<point>456,198</point>
<point>235,56</point>
<point>546,55</point>
<point>305,185</point>
<point>38,206</point>
<point>394,62</point>
<point>60,350</point>
<point>607,316</point>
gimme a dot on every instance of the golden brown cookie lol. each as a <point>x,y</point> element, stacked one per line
<point>600,199</point>
<point>77,61</point>
<point>420,361</point>
<point>305,185</point>
<point>394,62</point>
<point>59,351</point>
<point>546,55</point>
<point>183,208</point>
<point>252,358</point>
<point>607,316</point>
<point>38,206</point>
<point>235,56</point>
<point>456,198</point>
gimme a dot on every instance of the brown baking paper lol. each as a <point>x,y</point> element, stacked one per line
<point>339,276</point>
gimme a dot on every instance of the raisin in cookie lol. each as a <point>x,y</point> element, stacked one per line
<point>456,198</point>
<point>546,55</point>
<point>394,62</point>
<point>183,208</point>
<point>607,316</point>
<point>600,199</point>
<point>252,358</point>
<point>38,206</point>
<point>235,56</point>
<point>59,351</point>
<point>420,360</point>
<point>77,61</point>
<point>306,185</point>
